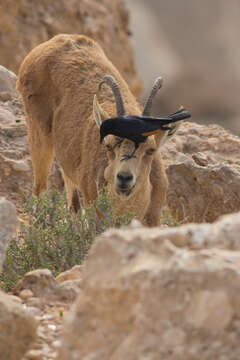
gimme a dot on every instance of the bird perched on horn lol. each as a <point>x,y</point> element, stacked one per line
<point>138,128</point>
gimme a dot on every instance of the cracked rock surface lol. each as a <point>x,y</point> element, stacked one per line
<point>143,296</point>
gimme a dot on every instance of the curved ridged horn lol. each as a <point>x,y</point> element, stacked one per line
<point>111,81</point>
<point>148,105</point>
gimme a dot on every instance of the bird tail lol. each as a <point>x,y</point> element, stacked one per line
<point>180,114</point>
<point>177,117</point>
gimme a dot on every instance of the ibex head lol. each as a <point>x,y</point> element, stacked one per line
<point>127,167</point>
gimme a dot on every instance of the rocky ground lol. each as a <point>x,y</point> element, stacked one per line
<point>48,300</point>
<point>166,293</point>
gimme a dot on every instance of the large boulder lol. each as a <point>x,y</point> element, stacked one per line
<point>25,24</point>
<point>203,169</point>
<point>201,193</point>
<point>8,223</point>
<point>159,294</point>
<point>18,329</point>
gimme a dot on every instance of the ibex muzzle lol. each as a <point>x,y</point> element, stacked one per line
<point>124,183</point>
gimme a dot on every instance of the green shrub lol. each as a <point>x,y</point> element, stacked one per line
<point>168,219</point>
<point>53,238</point>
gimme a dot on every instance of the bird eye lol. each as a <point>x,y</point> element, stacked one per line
<point>150,151</point>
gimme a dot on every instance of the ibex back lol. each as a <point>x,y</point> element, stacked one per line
<point>58,81</point>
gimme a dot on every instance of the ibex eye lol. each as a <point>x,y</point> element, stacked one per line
<point>109,148</point>
<point>150,151</point>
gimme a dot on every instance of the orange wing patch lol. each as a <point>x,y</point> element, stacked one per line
<point>151,132</point>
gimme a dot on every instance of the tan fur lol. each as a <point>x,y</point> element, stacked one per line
<point>58,81</point>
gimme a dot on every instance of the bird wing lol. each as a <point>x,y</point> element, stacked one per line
<point>171,118</point>
<point>154,132</point>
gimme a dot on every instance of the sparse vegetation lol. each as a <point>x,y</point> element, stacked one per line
<point>53,238</point>
<point>168,220</point>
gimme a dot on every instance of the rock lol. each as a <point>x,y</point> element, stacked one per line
<point>35,311</point>
<point>203,169</point>
<point>105,21</point>
<point>144,297</point>
<point>75,273</point>
<point>7,84</point>
<point>203,193</point>
<point>26,294</point>
<point>18,329</point>
<point>42,284</point>
<point>8,223</point>
<point>214,142</point>
<point>223,234</point>
<point>35,302</point>
<point>6,116</point>
<point>34,355</point>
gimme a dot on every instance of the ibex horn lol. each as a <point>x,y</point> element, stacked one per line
<point>111,81</point>
<point>148,105</point>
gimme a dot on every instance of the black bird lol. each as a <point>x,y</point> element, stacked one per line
<point>138,128</point>
<point>133,127</point>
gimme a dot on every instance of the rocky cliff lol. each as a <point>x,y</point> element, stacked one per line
<point>25,24</point>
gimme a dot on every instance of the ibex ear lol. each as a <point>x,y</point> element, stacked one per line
<point>164,136</point>
<point>98,113</point>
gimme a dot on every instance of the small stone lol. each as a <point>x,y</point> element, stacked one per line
<point>35,311</point>
<point>200,159</point>
<point>56,344</point>
<point>41,332</point>
<point>34,301</point>
<point>25,294</point>
<point>34,355</point>
<point>47,317</point>
<point>52,327</point>
<point>73,274</point>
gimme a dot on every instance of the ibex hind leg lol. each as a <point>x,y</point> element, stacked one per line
<point>72,194</point>
<point>41,151</point>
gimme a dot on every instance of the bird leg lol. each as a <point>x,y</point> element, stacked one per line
<point>132,155</point>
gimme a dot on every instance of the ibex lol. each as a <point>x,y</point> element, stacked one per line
<point>59,82</point>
